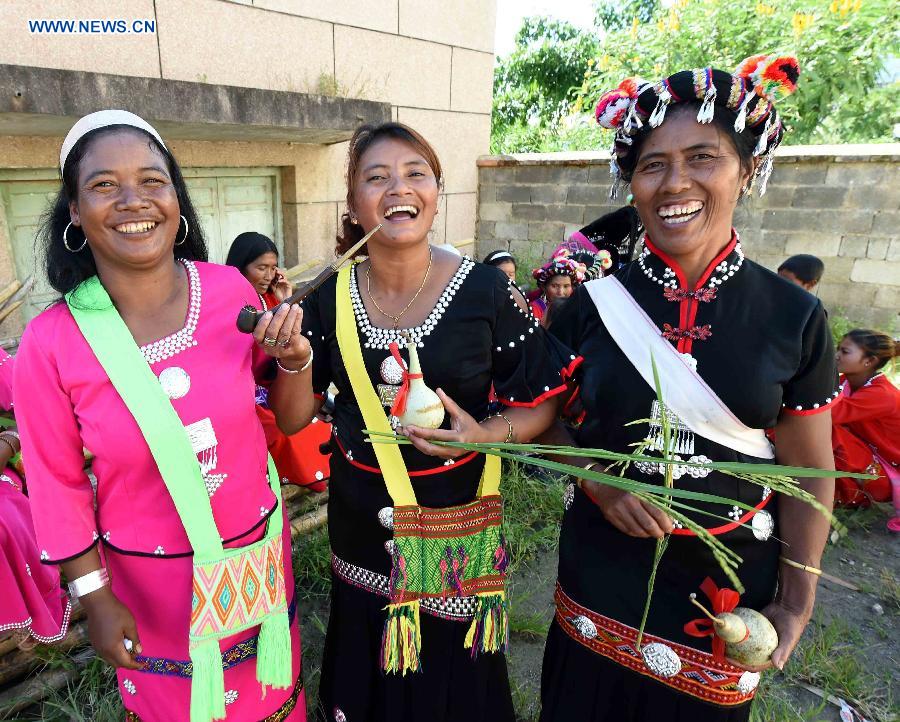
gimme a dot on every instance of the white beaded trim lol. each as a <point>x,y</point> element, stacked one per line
<point>812,407</point>
<point>184,339</point>
<point>381,338</point>
<point>725,270</point>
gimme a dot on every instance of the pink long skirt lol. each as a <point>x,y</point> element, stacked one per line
<point>31,599</point>
<point>158,593</point>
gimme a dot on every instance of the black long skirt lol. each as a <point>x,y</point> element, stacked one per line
<point>450,687</point>
<point>578,684</point>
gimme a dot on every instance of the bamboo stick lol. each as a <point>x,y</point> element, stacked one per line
<point>20,662</point>
<point>309,522</point>
<point>33,690</point>
<point>9,291</point>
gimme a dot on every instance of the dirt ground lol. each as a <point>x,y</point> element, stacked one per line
<point>850,650</point>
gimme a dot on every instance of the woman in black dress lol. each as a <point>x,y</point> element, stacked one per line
<point>690,146</point>
<point>471,330</point>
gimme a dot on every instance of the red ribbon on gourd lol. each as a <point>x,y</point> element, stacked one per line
<point>399,405</point>
<point>721,600</point>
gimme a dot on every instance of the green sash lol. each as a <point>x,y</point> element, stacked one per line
<point>233,589</point>
<point>454,551</point>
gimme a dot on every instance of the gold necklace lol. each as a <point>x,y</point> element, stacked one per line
<point>396,319</point>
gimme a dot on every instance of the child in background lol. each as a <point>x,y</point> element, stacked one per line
<point>503,260</point>
<point>804,270</point>
<point>866,422</point>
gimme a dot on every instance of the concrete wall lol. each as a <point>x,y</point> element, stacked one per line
<point>841,203</point>
<point>432,62</point>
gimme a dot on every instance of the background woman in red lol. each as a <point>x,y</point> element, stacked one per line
<point>866,433</point>
<point>297,458</point>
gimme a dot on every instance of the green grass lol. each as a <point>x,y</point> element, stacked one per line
<point>830,657</point>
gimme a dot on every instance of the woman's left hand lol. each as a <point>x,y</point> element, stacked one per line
<point>463,428</point>
<point>789,624</point>
<point>278,334</point>
<point>281,287</point>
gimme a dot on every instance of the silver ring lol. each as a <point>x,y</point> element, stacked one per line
<point>285,343</point>
<point>270,342</point>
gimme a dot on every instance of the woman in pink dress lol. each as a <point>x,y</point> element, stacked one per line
<point>123,215</point>
<point>32,603</point>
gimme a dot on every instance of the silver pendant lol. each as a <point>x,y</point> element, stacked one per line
<point>661,659</point>
<point>748,682</point>
<point>386,517</point>
<point>568,496</point>
<point>175,382</point>
<point>762,525</point>
<point>586,628</point>
<point>391,371</point>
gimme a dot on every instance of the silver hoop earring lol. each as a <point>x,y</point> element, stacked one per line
<point>66,241</point>
<point>186,227</point>
<point>354,221</point>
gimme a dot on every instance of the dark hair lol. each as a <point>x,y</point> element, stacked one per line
<point>806,268</point>
<point>495,258</point>
<point>247,247</point>
<point>876,344</point>
<point>65,270</point>
<point>363,139</point>
<point>723,118</point>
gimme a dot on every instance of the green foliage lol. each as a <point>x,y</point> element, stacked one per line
<point>844,95</point>
<point>535,85</point>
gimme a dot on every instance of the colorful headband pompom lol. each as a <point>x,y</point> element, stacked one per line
<point>612,108</point>
<point>771,76</point>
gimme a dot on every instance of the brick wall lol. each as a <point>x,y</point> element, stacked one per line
<point>841,203</point>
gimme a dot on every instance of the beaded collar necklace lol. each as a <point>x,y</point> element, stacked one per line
<point>723,271</point>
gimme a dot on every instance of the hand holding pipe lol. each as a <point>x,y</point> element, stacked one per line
<point>249,316</point>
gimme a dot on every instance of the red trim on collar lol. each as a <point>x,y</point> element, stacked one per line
<point>671,263</point>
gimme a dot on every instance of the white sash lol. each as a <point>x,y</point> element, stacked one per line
<point>684,392</point>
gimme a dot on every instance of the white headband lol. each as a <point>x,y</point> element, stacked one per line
<point>498,255</point>
<point>102,119</point>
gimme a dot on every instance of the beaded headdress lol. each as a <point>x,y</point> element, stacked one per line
<point>561,264</point>
<point>750,93</point>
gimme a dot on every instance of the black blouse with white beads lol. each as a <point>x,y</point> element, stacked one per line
<point>476,337</point>
<point>764,346</point>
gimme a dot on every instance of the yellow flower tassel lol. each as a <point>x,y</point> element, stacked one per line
<point>489,631</point>
<point>401,643</point>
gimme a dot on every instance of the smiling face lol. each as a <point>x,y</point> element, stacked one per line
<point>851,359</point>
<point>686,184</point>
<point>261,271</point>
<point>558,287</point>
<point>126,204</point>
<point>395,186</point>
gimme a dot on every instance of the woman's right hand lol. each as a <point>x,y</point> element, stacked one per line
<point>110,623</point>
<point>626,512</point>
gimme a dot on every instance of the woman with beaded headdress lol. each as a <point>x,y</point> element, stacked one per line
<point>556,280</point>
<point>737,350</point>
<point>180,555</point>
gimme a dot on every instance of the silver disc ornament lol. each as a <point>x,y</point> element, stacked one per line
<point>391,371</point>
<point>175,382</point>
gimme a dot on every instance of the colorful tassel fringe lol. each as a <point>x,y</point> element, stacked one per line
<point>207,682</point>
<point>401,643</point>
<point>273,656</point>
<point>490,626</point>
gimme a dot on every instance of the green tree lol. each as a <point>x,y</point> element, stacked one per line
<point>843,46</point>
<point>536,84</point>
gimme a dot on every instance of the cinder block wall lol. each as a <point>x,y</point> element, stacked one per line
<point>841,203</point>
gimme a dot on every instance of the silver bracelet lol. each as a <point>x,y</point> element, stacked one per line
<point>90,582</point>
<point>10,432</point>
<point>299,370</point>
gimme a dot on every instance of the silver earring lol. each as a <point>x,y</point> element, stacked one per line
<point>66,241</point>
<point>186,227</point>
<point>353,220</point>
